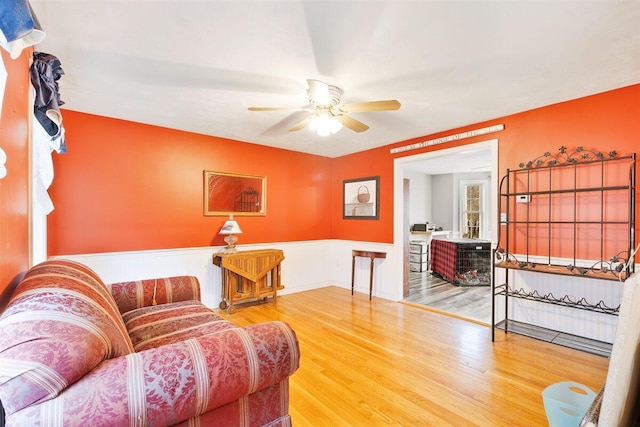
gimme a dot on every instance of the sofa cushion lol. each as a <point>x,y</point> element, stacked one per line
<point>140,293</point>
<point>60,323</point>
<point>156,325</point>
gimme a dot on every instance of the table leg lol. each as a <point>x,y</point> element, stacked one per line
<point>353,271</point>
<point>275,282</point>
<point>224,303</point>
<point>371,278</point>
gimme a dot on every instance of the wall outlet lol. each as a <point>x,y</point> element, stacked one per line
<point>503,217</point>
<point>523,198</point>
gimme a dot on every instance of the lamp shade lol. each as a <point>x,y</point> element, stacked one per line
<point>324,125</point>
<point>230,227</point>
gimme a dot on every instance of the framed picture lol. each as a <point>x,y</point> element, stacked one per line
<point>361,198</point>
<point>234,194</point>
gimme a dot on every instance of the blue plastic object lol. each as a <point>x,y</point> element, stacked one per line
<point>565,403</point>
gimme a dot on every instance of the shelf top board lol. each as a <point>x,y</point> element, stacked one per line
<point>561,270</point>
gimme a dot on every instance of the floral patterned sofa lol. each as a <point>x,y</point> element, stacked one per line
<point>77,352</point>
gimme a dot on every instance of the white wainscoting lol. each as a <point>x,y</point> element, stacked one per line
<point>307,265</point>
<point>320,263</point>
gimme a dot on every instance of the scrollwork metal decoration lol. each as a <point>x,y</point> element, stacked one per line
<point>565,157</point>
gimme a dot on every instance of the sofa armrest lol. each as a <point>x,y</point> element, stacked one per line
<point>143,293</point>
<point>169,384</point>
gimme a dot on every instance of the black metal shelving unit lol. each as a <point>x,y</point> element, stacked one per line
<point>566,198</point>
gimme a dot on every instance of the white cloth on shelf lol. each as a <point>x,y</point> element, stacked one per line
<point>42,172</point>
<point>3,84</point>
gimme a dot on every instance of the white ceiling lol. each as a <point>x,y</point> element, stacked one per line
<point>198,65</point>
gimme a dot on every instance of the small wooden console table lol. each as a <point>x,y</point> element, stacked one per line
<point>365,254</point>
<point>249,275</point>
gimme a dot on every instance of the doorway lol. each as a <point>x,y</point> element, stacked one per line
<point>450,171</point>
<point>474,208</point>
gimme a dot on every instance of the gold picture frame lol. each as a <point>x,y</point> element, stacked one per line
<point>234,194</point>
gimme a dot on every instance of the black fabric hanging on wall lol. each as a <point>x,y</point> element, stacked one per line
<point>45,72</point>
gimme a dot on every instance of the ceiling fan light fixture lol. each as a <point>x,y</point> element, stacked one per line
<point>324,125</point>
<point>327,112</point>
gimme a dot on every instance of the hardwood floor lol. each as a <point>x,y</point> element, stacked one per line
<point>379,362</point>
<point>469,302</point>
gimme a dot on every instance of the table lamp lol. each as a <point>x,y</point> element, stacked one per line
<point>230,228</point>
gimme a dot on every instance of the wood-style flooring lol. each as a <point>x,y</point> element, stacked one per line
<point>384,363</point>
<point>469,302</point>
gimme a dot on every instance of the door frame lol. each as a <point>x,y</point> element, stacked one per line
<point>399,234</point>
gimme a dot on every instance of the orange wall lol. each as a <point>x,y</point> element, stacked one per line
<point>14,188</point>
<point>602,122</point>
<point>375,162</point>
<point>126,186</point>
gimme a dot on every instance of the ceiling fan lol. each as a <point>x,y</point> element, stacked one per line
<point>327,112</point>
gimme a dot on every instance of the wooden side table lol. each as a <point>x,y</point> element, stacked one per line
<point>248,275</point>
<point>364,254</point>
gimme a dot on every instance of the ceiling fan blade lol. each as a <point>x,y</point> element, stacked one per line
<point>363,107</point>
<point>351,123</point>
<point>275,109</point>
<point>302,124</point>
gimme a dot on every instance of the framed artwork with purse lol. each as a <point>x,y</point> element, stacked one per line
<point>361,198</point>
